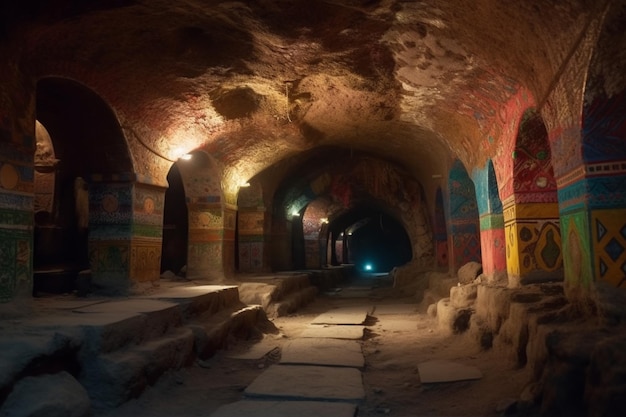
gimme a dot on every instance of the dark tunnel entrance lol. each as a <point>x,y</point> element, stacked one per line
<point>371,240</point>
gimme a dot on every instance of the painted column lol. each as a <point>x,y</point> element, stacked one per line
<point>205,251</point>
<point>530,207</point>
<point>492,238</point>
<point>464,222</point>
<point>147,232</point>
<point>440,231</point>
<point>110,233</point>
<point>125,232</point>
<point>533,241</point>
<point>252,240</point>
<point>228,241</point>
<point>253,252</point>
<point>592,196</point>
<point>16,217</point>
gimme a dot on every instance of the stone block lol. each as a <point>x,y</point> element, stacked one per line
<point>451,319</point>
<point>463,296</point>
<point>50,395</point>
<point>469,272</point>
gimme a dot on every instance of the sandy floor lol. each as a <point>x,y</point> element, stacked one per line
<point>394,345</point>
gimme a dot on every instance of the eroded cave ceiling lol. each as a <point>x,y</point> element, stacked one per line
<point>254,82</point>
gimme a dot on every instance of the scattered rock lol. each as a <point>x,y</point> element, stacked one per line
<point>56,395</point>
<point>432,310</point>
<point>469,272</point>
<point>463,296</point>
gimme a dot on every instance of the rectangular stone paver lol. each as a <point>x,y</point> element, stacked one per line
<point>328,352</point>
<point>320,383</point>
<point>334,331</point>
<point>249,408</point>
<point>345,315</point>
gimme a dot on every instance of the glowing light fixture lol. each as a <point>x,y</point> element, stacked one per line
<point>186,157</point>
<point>244,184</point>
<point>368,267</point>
<point>324,220</point>
<point>295,213</point>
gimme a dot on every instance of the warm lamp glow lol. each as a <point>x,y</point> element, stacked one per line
<point>186,157</point>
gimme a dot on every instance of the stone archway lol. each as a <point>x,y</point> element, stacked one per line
<point>93,179</point>
<point>531,218</point>
<point>175,224</point>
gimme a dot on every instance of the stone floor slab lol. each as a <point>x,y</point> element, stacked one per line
<point>248,408</point>
<point>446,371</point>
<point>327,352</point>
<point>350,332</point>
<point>127,306</point>
<point>320,383</point>
<point>346,315</point>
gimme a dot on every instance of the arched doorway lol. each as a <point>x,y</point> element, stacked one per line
<point>372,239</point>
<point>80,144</point>
<point>175,225</point>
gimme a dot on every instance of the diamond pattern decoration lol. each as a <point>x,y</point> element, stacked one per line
<point>600,229</point>
<point>603,268</point>
<point>614,249</point>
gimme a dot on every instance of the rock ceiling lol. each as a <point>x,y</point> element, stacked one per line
<point>256,82</point>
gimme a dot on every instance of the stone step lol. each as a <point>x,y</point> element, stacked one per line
<point>112,324</point>
<point>118,347</point>
<point>200,299</point>
<point>278,294</point>
<point>292,302</point>
<point>250,408</point>
<point>113,378</point>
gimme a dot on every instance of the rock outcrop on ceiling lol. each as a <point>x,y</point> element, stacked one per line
<point>254,82</point>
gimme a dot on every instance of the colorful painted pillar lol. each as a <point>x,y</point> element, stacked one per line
<point>147,233</point>
<point>440,231</point>
<point>205,253</point>
<point>125,231</point>
<point>533,241</point>
<point>464,222</point>
<point>16,217</point>
<point>593,217</point>
<point>592,196</point>
<point>252,240</point>
<point>492,238</point>
<point>228,241</point>
<point>530,207</point>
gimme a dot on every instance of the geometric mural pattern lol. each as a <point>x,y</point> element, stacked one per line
<point>533,177</point>
<point>609,240</point>
<point>440,232</point>
<point>533,243</point>
<point>464,219</point>
<point>466,248</point>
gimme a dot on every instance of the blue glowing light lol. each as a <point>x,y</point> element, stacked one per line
<point>368,267</point>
